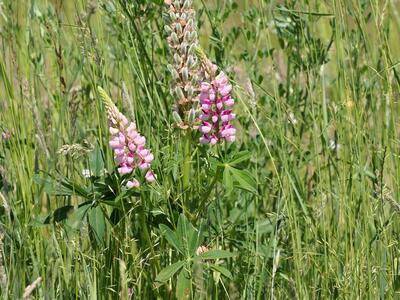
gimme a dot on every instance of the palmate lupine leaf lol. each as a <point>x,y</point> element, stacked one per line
<point>224,271</point>
<point>216,254</point>
<point>97,223</point>
<point>172,238</point>
<point>183,285</point>
<point>75,220</point>
<point>168,272</point>
<point>190,236</point>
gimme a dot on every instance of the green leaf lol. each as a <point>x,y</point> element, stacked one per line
<point>216,254</point>
<point>183,285</point>
<point>39,221</point>
<point>62,187</point>
<point>189,235</point>
<point>6,81</point>
<point>96,161</point>
<point>228,180</point>
<point>171,237</point>
<point>168,272</point>
<point>240,157</point>
<point>62,213</point>
<point>97,223</point>
<point>224,271</point>
<point>244,180</point>
<point>75,220</point>
<point>74,188</point>
<point>47,183</point>
<point>265,226</point>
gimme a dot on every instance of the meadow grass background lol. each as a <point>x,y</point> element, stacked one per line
<point>317,84</point>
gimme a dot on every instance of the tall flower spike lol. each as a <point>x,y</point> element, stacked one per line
<point>128,145</point>
<point>182,39</point>
<point>216,104</point>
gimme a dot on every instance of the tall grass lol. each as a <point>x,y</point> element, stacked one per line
<point>317,87</point>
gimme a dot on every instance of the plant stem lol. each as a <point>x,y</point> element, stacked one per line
<point>186,165</point>
<point>207,193</point>
<point>146,235</point>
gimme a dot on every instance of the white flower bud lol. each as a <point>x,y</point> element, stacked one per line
<point>177,4</point>
<point>191,49</point>
<point>189,90</point>
<point>179,93</point>
<point>175,38</point>
<point>192,115</point>
<point>173,16</point>
<point>177,117</point>
<point>183,48</point>
<point>195,79</point>
<point>193,36</point>
<point>177,59</point>
<point>187,4</point>
<point>167,29</point>
<point>185,74</point>
<point>173,72</point>
<point>190,23</point>
<point>178,28</point>
<point>186,36</point>
<point>190,61</point>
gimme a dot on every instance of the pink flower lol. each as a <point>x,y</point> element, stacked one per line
<point>143,165</point>
<point>204,139</point>
<point>149,158</point>
<point>206,128</point>
<point>125,169</point>
<point>216,103</point>
<point>114,131</point>
<point>150,176</point>
<point>229,102</point>
<point>132,183</point>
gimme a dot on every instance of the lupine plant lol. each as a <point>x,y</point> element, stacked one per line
<point>234,149</point>
<point>132,162</point>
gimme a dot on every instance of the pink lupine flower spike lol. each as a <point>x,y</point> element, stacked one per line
<point>127,143</point>
<point>217,114</point>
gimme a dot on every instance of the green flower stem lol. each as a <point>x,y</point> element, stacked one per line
<point>146,236</point>
<point>207,193</point>
<point>186,165</point>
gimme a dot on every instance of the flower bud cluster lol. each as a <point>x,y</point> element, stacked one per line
<point>182,39</point>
